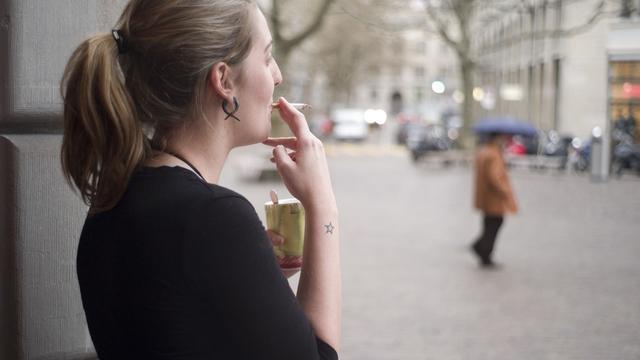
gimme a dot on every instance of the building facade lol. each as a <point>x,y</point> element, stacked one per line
<point>556,64</point>
<point>550,67</point>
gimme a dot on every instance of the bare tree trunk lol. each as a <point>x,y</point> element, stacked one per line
<point>626,9</point>
<point>451,20</point>
<point>464,12</point>
<point>466,72</point>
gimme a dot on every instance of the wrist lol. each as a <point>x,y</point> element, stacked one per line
<point>325,205</point>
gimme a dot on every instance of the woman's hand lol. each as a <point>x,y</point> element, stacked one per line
<point>304,168</point>
<point>305,173</point>
<point>277,240</point>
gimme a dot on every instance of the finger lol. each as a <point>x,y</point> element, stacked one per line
<point>292,155</point>
<point>282,158</point>
<point>276,239</point>
<point>288,142</point>
<point>293,118</point>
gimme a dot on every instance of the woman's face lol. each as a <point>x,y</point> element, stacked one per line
<point>260,75</point>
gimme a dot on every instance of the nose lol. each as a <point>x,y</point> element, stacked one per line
<point>277,75</point>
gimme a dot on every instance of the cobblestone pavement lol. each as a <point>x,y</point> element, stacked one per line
<point>568,286</point>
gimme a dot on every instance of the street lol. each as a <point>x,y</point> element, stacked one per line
<point>568,285</point>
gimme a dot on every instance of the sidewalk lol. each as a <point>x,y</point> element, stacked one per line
<point>568,288</point>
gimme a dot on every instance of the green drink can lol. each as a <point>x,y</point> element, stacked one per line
<point>286,218</point>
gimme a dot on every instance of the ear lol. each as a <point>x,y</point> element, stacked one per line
<point>220,81</point>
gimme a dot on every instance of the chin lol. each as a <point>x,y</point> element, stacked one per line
<point>257,137</point>
<point>267,129</point>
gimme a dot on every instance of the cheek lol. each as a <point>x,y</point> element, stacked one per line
<point>267,84</point>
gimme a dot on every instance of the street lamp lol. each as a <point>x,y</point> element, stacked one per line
<point>478,94</point>
<point>438,87</point>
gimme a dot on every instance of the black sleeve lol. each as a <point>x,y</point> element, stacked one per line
<point>233,268</point>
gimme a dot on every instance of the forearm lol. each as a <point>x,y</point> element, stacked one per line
<point>319,288</point>
<point>306,175</point>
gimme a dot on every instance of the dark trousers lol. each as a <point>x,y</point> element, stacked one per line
<point>483,246</point>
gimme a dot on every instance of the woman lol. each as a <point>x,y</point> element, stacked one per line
<point>170,264</point>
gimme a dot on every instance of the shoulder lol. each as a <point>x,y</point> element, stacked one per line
<point>490,152</point>
<point>179,194</point>
<point>225,207</point>
<point>485,152</point>
<point>223,211</point>
<point>178,182</point>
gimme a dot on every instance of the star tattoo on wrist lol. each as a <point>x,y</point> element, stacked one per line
<point>329,228</point>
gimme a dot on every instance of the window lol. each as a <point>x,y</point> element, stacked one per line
<point>397,71</point>
<point>624,91</point>
<point>419,93</point>
<point>397,46</point>
<point>419,72</point>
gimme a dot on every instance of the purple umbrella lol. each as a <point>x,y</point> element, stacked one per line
<point>504,125</point>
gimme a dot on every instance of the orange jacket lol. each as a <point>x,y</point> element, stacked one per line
<point>493,192</point>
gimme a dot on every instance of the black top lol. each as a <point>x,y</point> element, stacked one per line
<point>182,269</point>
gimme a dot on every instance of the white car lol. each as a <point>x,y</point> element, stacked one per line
<point>349,124</point>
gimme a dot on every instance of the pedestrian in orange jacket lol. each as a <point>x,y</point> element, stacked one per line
<point>493,195</point>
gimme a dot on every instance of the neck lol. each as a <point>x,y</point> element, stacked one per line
<point>204,147</point>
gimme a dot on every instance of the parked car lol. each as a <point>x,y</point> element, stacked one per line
<point>423,138</point>
<point>405,120</point>
<point>349,124</point>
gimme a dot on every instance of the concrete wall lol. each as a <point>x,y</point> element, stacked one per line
<point>42,218</point>
<point>39,36</point>
<point>584,76</point>
<point>41,316</point>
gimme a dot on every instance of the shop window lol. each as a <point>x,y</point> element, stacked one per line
<point>624,95</point>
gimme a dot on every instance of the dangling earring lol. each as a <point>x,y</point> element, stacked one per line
<point>236,106</point>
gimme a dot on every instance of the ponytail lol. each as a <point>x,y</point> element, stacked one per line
<point>159,84</point>
<point>103,142</point>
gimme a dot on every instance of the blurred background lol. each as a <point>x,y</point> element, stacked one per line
<point>397,88</point>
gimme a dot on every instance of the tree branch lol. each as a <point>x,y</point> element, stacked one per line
<point>275,22</point>
<point>312,28</point>
<point>597,14</point>
<point>441,27</point>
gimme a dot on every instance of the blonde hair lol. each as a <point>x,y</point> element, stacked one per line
<point>112,100</point>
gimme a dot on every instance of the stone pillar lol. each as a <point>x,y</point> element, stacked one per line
<point>41,315</point>
<point>41,218</point>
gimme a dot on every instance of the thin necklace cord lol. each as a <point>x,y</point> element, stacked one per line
<point>186,162</point>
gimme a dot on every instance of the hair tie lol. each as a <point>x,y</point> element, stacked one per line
<point>117,36</point>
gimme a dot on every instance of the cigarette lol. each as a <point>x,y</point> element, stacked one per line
<point>297,106</point>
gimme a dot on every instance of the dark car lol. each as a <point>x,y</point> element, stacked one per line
<point>423,138</point>
<point>405,121</point>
